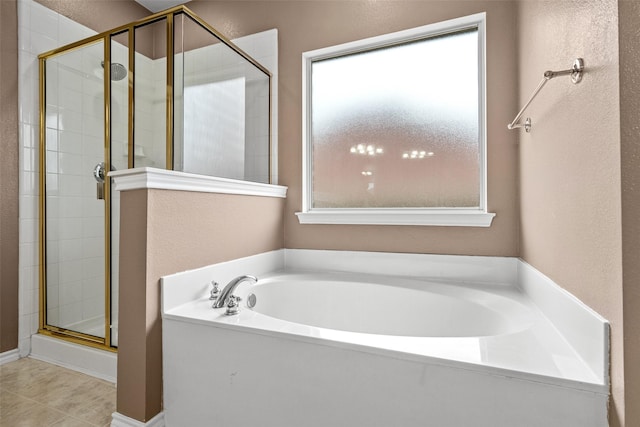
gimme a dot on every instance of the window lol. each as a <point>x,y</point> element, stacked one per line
<point>394,129</point>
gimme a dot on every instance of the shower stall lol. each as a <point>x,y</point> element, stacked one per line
<point>167,92</point>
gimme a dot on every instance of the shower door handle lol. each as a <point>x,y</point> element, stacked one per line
<point>99,174</point>
<point>100,190</point>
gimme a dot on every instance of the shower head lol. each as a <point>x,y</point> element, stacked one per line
<point>118,71</point>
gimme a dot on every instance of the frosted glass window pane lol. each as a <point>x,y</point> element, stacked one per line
<point>397,127</point>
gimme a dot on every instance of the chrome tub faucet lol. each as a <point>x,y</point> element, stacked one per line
<point>226,293</point>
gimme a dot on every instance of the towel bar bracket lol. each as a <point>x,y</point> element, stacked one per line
<point>576,72</point>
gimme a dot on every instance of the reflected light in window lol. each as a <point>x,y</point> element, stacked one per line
<point>367,150</point>
<point>415,154</point>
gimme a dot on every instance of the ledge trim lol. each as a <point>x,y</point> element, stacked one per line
<point>162,179</point>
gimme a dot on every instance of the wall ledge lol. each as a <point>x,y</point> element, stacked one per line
<point>162,179</point>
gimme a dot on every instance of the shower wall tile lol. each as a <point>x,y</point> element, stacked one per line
<point>70,120</point>
<point>70,314</point>
<point>69,185</point>
<point>52,297</point>
<point>52,184</point>
<point>70,31</point>
<point>53,274</point>
<point>91,102</point>
<point>70,249</point>
<point>28,160</point>
<point>41,43</point>
<point>44,21</point>
<point>29,230</point>
<point>30,303</point>
<point>52,168</point>
<point>24,324</point>
<point>70,272</point>
<point>92,146</point>
<point>63,76</point>
<point>69,98</point>
<point>93,288</point>
<point>28,206</point>
<point>71,292</point>
<point>71,207</point>
<point>53,256</point>
<point>24,16</point>
<point>27,134</point>
<point>92,307</point>
<point>92,267</point>
<point>92,227</point>
<point>91,207</point>
<point>27,75</point>
<point>68,228</point>
<point>28,254</point>
<point>35,322</point>
<point>52,136</point>
<point>70,164</point>
<point>53,315</point>
<point>69,142</point>
<point>92,125</point>
<point>28,183</point>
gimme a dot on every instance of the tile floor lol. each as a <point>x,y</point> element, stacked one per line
<point>39,394</point>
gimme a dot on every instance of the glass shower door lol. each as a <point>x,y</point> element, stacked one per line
<point>75,205</point>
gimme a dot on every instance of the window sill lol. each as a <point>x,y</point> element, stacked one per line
<point>441,218</point>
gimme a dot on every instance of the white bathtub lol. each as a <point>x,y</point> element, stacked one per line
<point>388,305</point>
<point>420,345</point>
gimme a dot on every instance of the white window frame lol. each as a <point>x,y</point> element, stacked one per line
<point>472,217</point>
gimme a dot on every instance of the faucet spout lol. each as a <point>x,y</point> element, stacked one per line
<point>231,286</point>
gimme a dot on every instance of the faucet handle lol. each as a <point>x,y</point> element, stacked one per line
<point>233,305</point>
<point>215,290</point>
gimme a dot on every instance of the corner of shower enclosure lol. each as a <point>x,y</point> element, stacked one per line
<point>168,92</point>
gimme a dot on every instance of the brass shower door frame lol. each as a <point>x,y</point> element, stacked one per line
<point>106,37</point>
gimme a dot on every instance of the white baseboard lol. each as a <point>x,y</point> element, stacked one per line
<point>97,363</point>
<point>119,420</point>
<point>9,356</point>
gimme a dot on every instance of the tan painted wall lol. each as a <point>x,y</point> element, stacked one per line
<point>629,16</point>
<point>574,220</point>
<point>308,25</point>
<point>8,175</point>
<point>164,232</point>
<point>570,163</point>
<point>99,15</point>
